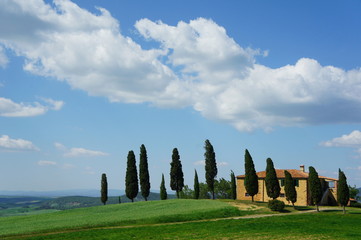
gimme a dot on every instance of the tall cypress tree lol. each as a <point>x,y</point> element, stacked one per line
<point>176,173</point>
<point>251,178</point>
<point>290,190</point>
<point>131,177</point>
<point>233,186</point>
<point>196,185</point>
<point>272,184</point>
<point>210,165</point>
<point>144,173</point>
<point>315,186</point>
<point>104,189</point>
<point>343,192</point>
<point>163,190</point>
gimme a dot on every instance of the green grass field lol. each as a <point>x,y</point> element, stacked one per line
<point>169,220</point>
<point>118,215</point>
<point>330,225</point>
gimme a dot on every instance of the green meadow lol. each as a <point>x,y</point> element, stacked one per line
<point>303,226</point>
<point>118,215</point>
<point>184,219</point>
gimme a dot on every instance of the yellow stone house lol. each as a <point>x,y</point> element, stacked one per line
<point>300,177</point>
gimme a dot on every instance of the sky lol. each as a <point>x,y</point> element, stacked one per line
<point>83,82</point>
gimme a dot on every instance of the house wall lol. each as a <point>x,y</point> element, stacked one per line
<point>261,196</point>
<point>241,191</point>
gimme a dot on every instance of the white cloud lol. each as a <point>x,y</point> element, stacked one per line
<point>197,65</point>
<point>59,146</point>
<point>200,163</point>
<point>351,140</point>
<point>3,59</point>
<point>221,164</point>
<point>82,152</point>
<point>85,50</point>
<point>16,144</point>
<point>46,163</point>
<point>78,152</point>
<point>8,108</point>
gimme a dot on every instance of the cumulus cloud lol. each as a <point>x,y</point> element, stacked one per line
<point>46,163</point>
<point>16,144</point>
<point>85,50</point>
<point>8,108</point>
<point>347,140</point>
<point>352,140</point>
<point>196,65</point>
<point>79,152</point>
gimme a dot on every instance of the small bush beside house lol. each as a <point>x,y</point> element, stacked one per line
<point>276,205</point>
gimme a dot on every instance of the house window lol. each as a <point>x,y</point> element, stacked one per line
<point>296,182</point>
<point>247,195</point>
<point>331,184</point>
<point>282,182</point>
<point>282,195</point>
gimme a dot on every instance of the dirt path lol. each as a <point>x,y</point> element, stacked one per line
<point>156,224</point>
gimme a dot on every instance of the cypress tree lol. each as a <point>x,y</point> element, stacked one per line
<point>176,173</point>
<point>343,192</point>
<point>272,184</point>
<point>290,190</point>
<point>210,165</point>
<point>251,178</point>
<point>196,185</point>
<point>315,187</point>
<point>233,186</point>
<point>144,173</point>
<point>104,189</point>
<point>163,190</point>
<point>131,177</point>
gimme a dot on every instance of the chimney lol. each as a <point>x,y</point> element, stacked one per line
<point>302,168</point>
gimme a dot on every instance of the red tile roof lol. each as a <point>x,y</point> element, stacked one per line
<point>281,174</point>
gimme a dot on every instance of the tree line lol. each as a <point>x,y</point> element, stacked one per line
<point>217,189</point>
<point>273,188</point>
<point>221,188</point>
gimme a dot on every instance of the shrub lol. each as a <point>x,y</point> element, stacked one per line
<point>276,205</point>
<point>355,204</point>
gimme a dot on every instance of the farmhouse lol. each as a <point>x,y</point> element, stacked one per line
<point>300,177</point>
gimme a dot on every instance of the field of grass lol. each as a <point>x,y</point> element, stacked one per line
<point>170,220</point>
<point>324,225</point>
<point>118,215</point>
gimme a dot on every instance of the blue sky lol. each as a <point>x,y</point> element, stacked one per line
<point>84,82</point>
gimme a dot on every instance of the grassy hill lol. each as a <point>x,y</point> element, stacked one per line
<point>118,215</point>
<point>160,220</point>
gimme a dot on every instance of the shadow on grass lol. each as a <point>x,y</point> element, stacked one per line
<point>353,213</point>
<point>331,210</point>
<point>303,208</point>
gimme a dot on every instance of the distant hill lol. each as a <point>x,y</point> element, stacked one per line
<point>62,203</point>
<point>16,202</point>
